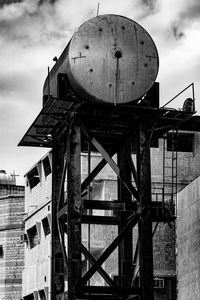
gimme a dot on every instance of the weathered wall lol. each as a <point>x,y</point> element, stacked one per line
<point>188,241</point>
<point>11,228</point>
<point>36,273</point>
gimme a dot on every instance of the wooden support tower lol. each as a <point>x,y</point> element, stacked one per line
<point>116,133</point>
<point>94,101</point>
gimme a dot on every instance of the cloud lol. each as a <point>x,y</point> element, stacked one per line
<point>32,32</point>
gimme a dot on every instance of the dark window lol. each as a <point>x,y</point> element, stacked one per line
<point>47,166</point>
<point>62,85</point>
<point>153,95</point>
<point>154,143</point>
<point>183,142</point>
<point>42,295</point>
<point>33,177</point>
<point>29,297</point>
<point>46,227</point>
<point>33,236</point>
<point>1,251</point>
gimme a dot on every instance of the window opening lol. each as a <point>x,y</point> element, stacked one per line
<point>33,177</point>
<point>46,227</point>
<point>42,295</point>
<point>184,142</point>
<point>1,251</point>
<point>33,236</point>
<point>46,166</point>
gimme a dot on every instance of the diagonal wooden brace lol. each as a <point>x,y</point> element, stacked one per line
<point>110,161</point>
<point>94,172</point>
<point>133,221</point>
<point>101,271</point>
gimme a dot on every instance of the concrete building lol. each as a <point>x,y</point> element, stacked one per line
<point>37,271</point>
<point>11,232</point>
<point>36,274</point>
<point>188,241</point>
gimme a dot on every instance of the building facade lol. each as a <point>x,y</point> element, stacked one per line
<point>11,233</point>
<point>188,241</point>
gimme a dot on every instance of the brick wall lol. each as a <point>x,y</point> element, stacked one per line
<point>11,228</point>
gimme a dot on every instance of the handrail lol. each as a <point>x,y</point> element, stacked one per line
<point>191,84</point>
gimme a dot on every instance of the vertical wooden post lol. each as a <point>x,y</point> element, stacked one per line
<point>74,210</point>
<point>58,150</point>
<point>145,223</point>
<point>126,247</point>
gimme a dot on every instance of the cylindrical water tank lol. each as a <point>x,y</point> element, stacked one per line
<point>7,179</point>
<point>110,59</point>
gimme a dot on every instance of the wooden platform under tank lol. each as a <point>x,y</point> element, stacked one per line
<point>104,121</point>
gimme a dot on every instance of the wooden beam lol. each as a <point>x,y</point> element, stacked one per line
<point>109,205</point>
<point>132,166</point>
<point>133,221</point>
<point>112,205</point>
<point>102,220</point>
<point>74,210</point>
<point>62,211</point>
<point>136,267</point>
<point>101,271</point>
<point>58,150</point>
<point>94,172</point>
<point>124,196</point>
<point>145,223</point>
<point>110,290</point>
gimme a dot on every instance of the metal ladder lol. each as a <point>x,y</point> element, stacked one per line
<point>169,197</point>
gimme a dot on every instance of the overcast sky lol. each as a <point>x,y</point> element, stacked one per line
<point>32,32</point>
